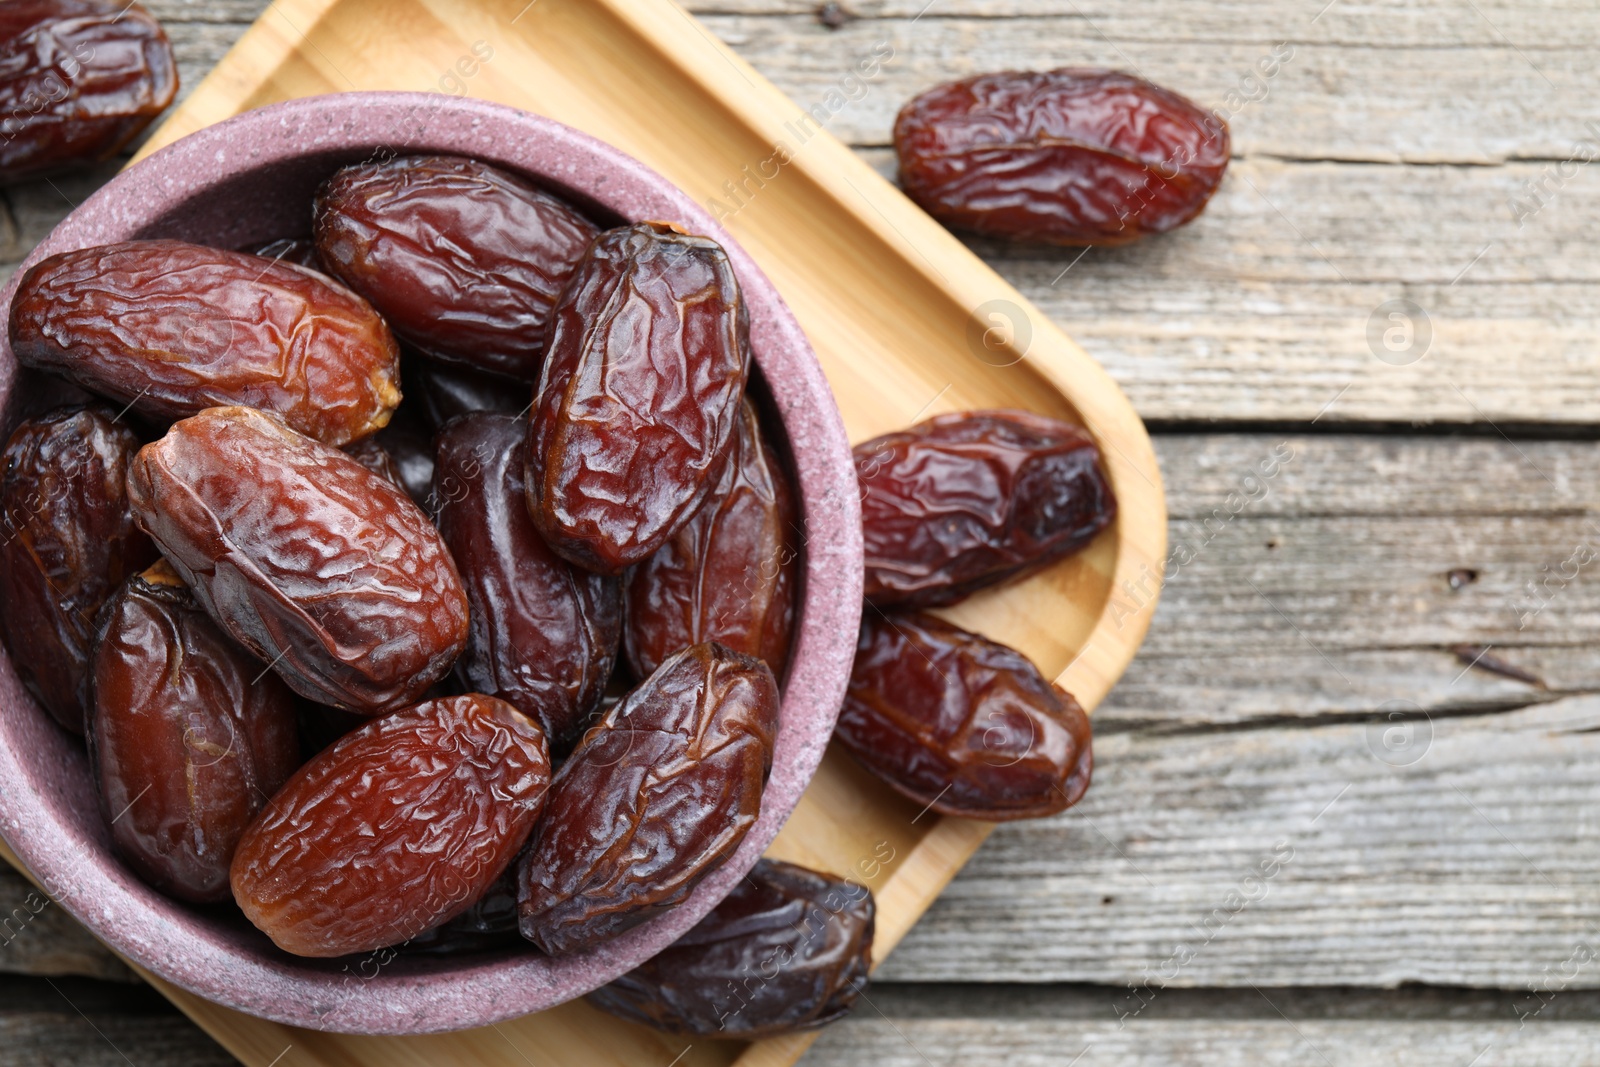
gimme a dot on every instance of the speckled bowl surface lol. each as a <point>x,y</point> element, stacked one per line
<point>250,179</point>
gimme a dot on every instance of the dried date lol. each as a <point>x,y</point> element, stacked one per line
<point>188,737</point>
<point>544,633</point>
<point>397,828</point>
<point>69,542</point>
<point>655,798</point>
<point>968,500</point>
<point>729,573</point>
<point>170,329</point>
<point>79,79</point>
<point>962,724</point>
<point>1075,156</point>
<point>326,571</point>
<point>788,949</point>
<point>638,401</point>
<point>465,260</point>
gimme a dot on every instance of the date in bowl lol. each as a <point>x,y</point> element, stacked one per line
<point>251,179</point>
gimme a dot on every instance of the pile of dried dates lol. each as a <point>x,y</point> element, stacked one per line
<point>497,665</point>
<point>500,664</point>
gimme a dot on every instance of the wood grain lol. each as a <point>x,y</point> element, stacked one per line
<point>877,1042</point>
<point>1472,865</point>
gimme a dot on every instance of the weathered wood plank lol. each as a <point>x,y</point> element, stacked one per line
<point>1261,308</point>
<point>56,1022</point>
<point>38,938</point>
<point>1382,554</point>
<point>1356,85</point>
<point>1307,856</point>
<point>869,1041</point>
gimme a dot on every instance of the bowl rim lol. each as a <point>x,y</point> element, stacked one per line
<point>60,837</point>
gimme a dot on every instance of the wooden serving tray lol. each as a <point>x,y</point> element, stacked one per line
<point>905,320</point>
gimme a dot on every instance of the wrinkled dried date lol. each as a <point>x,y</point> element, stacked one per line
<point>729,573</point>
<point>171,328</point>
<point>654,798</point>
<point>323,569</point>
<point>465,260</point>
<point>544,633</point>
<point>69,541</point>
<point>962,724</point>
<point>79,79</point>
<point>788,949</point>
<point>188,737</point>
<point>1072,156</point>
<point>639,397</point>
<point>395,829</point>
<point>967,500</point>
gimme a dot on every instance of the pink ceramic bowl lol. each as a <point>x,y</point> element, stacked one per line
<point>250,179</point>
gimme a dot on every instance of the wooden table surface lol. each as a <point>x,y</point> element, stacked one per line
<point>1344,811</point>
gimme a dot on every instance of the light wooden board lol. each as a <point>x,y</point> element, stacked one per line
<point>888,300</point>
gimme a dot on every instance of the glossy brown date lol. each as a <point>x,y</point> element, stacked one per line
<point>1075,156</point>
<point>397,828</point>
<point>170,329</point>
<point>323,569</point>
<point>655,798</point>
<point>465,260</point>
<point>787,950</point>
<point>962,724</point>
<point>638,401</point>
<point>730,573</point>
<point>188,736</point>
<point>67,541</point>
<point>79,79</point>
<point>968,500</point>
<point>544,633</point>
